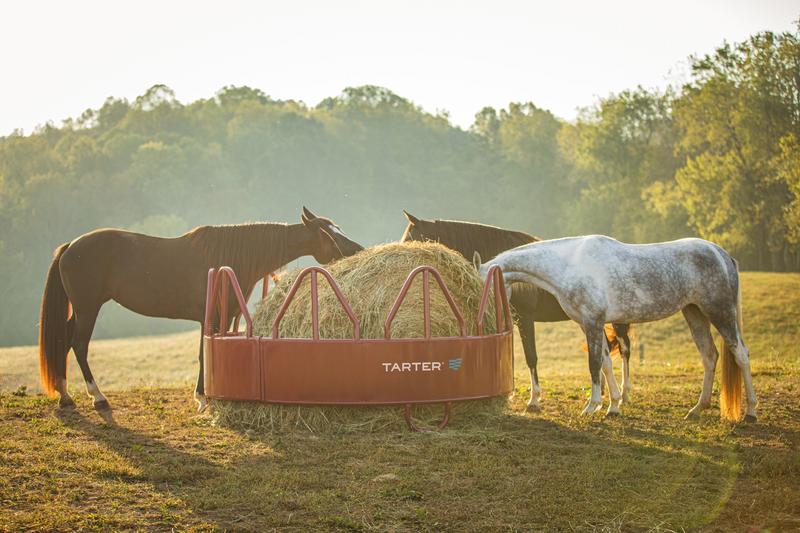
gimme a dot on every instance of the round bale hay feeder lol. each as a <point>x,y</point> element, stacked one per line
<point>241,366</point>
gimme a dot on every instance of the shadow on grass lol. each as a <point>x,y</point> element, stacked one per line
<point>159,463</point>
<point>513,471</point>
<point>525,472</point>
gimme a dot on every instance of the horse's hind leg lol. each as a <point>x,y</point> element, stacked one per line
<point>85,319</point>
<point>65,399</point>
<point>528,335</point>
<point>701,333</point>
<point>595,340</point>
<point>625,354</point>
<point>726,324</point>
<point>613,390</point>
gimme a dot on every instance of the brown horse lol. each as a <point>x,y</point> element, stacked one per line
<point>160,277</point>
<point>528,303</point>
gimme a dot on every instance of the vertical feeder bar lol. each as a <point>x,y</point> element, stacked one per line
<point>223,306</point>
<point>498,305</point>
<point>208,327</point>
<point>426,305</point>
<point>314,307</point>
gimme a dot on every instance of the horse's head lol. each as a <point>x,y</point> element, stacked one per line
<point>483,271</point>
<point>328,242</point>
<point>418,229</point>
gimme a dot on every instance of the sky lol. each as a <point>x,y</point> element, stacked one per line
<point>60,58</point>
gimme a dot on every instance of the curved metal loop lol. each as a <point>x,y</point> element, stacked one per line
<point>217,293</point>
<point>495,276</point>
<point>208,323</point>
<point>415,428</point>
<point>313,271</point>
<point>426,297</point>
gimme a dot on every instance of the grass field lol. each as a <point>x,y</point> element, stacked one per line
<point>161,466</point>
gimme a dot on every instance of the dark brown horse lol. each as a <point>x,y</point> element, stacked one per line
<point>160,277</point>
<point>528,303</point>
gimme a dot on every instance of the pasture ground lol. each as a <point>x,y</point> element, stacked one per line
<point>161,466</point>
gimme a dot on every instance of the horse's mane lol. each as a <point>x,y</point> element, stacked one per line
<point>469,237</point>
<point>243,247</point>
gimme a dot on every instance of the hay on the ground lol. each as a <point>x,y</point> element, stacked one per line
<point>329,419</point>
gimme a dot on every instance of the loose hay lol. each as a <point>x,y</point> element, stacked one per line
<point>331,419</point>
<point>371,281</point>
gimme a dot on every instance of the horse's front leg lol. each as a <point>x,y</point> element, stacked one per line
<point>199,389</point>
<point>528,335</point>
<point>595,340</point>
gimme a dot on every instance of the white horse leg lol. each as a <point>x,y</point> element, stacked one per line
<point>701,333</point>
<point>613,391</point>
<point>94,392</point>
<point>595,340</point>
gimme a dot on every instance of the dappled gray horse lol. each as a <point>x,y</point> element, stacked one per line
<point>597,280</point>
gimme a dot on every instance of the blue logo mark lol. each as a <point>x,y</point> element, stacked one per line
<point>455,364</point>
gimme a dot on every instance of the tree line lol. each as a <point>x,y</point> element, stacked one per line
<point>718,157</point>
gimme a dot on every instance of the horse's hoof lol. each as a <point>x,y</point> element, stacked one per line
<point>533,408</point>
<point>102,405</point>
<point>67,403</point>
<point>692,415</point>
<point>750,419</point>
<point>613,414</point>
<point>202,404</point>
<point>591,408</point>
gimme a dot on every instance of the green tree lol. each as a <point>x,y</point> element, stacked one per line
<point>623,164</point>
<point>742,101</point>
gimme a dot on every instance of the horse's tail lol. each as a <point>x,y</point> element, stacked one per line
<point>730,397</point>
<point>53,327</point>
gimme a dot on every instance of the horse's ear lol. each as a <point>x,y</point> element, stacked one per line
<point>476,260</point>
<point>308,214</point>
<point>411,218</point>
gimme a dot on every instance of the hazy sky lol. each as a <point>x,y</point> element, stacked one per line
<point>59,58</point>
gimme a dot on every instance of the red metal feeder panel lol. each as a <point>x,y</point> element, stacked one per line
<point>240,366</point>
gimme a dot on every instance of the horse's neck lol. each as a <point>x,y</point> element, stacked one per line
<point>286,243</point>
<point>540,264</point>
<point>487,242</point>
<point>297,244</point>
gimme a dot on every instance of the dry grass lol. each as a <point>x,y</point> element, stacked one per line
<point>156,361</point>
<point>162,466</point>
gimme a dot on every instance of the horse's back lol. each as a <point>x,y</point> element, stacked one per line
<point>134,269</point>
<point>641,282</point>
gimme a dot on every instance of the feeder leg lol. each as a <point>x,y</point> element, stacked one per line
<point>413,427</point>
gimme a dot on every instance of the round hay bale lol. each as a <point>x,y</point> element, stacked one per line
<point>371,281</point>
